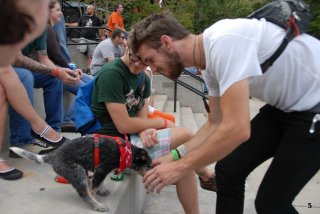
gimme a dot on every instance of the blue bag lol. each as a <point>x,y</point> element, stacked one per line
<point>85,121</point>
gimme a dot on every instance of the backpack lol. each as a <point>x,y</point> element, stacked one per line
<point>85,121</point>
<point>292,15</point>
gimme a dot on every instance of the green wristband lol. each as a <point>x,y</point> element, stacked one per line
<point>175,154</point>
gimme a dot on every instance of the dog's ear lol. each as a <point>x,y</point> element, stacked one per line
<point>142,157</point>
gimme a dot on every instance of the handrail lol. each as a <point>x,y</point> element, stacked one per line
<point>75,42</point>
<point>190,88</point>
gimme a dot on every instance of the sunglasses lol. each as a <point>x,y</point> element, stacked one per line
<point>136,58</point>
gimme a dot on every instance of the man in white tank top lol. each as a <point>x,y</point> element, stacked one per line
<point>285,129</point>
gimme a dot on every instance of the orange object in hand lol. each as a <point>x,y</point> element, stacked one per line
<point>157,114</point>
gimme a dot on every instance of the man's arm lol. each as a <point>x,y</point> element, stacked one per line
<point>30,64</point>
<point>227,127</point>
<point>44,59</point>
<point>64,74</point>
<point>74,24</point>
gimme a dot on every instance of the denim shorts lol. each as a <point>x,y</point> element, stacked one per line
<point>158,150</point>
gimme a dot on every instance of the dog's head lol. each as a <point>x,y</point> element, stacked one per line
<point>141,160</point>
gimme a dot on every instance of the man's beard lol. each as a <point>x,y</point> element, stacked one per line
<point>174,65</point>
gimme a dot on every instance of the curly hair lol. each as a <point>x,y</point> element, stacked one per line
<point>14,23</point>
<point>150,29</point>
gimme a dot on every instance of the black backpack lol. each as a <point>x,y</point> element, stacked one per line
<point>292,15</point>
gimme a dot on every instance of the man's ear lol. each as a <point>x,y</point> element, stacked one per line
<point>166,41</point>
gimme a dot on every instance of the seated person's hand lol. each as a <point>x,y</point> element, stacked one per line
<point>164,159</point>
<point>79,72</point>
<point>69,76</point>
<point>149,137</point>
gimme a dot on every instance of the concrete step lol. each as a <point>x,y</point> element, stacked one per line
<point>188,119</point>
<point>39,190</point>
<point>169,107</point>
<point>160,101</point>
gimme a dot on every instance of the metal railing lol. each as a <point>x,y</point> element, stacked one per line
<point>74,41</point>
<point>202,94</point>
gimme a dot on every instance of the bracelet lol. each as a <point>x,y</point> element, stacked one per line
<point>175,154</point>
<point>165,124</point>
<point>182,150</point>
<point>57,72</point>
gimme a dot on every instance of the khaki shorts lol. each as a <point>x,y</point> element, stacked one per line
<point>86,49</point>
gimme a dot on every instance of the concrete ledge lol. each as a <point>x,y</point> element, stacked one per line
<point>127,196</point>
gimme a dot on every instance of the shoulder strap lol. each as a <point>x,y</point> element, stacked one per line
<point>268,63</point>
<point>141,81</point>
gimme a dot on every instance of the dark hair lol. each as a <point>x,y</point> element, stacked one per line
<point>150,29</point>
<point>116,32</point>
<point>13,22</point>
<point>116,6</point>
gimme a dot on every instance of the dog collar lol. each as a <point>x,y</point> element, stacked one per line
<point>125,155</point>
<point>125,151</point>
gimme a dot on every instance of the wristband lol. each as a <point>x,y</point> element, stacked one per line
<point>182,150</point>
<point>57,72</point>
<point>175,154</point>
<point>165,124</point>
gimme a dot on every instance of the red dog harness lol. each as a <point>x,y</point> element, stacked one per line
<point>125,151</point>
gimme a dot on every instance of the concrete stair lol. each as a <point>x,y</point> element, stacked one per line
<point>42,194</point>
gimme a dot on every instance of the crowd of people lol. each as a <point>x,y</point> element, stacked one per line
<point>34,54</point>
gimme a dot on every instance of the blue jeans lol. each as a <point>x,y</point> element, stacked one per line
<point>60,30</point>
<point>69,115</point>
<point>52,96</point>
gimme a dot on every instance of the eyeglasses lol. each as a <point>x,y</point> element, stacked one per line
<point>136,58</point>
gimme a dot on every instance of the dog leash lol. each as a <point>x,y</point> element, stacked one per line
<point>125,151</point>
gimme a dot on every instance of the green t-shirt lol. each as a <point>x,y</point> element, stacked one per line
<point>116,84</point>
<point>39,44</point>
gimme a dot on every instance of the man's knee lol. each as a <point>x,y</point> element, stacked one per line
<point>229,175</point>
<point>25,76</point>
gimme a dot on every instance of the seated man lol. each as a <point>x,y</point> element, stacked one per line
<point>107,50</point>
<point>123,110</point>
<point>39,72</point>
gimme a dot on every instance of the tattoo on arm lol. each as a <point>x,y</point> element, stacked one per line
<point>30,64</point>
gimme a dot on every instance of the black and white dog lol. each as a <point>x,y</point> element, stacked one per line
<point>76,157</point>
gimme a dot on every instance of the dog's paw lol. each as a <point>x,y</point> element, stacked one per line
<point>101,208</point>
<point>103,192</point>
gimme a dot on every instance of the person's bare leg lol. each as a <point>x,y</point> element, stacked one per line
<point>18,99</point>
<point>3,119</point>
<point>205,173</point>
<point>188,194</point>
<point>180,135</point>
<point>89,61</point>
